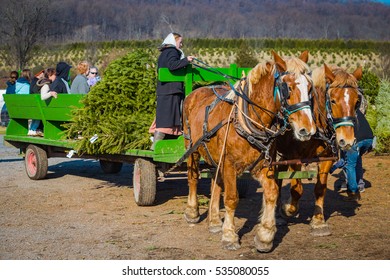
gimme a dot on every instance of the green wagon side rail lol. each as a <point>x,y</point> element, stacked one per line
<point>52,112</point>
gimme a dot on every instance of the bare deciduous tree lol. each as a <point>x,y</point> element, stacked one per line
<point>22,25</point>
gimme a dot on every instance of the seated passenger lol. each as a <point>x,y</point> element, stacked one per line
<point>93,76</point>
<point>33,86</point>
<point>49,75</point>
<point>14,75</point>
<point>22,85</point>
<point>48,78</point>
<point>80,82</point>
<point>60,84</point>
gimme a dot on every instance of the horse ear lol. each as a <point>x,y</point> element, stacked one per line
<point>329,74</point>
<point>304,56</point>
<point>280,63</point>
<point>358,73</point>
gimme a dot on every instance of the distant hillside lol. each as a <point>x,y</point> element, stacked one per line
<point>102,20</point>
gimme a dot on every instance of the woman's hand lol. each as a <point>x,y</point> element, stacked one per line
<point>53,93</point>
<point>190,58</point>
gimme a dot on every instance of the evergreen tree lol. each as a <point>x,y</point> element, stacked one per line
<point>370,85</point>
<point>382,129</point>
<point>245,56</point>
<point>120,108</point>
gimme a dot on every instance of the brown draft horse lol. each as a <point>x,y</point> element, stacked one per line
<point>334,107</point>
<point>234,148</point>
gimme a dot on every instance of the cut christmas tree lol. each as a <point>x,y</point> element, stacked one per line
<point>119,109</point>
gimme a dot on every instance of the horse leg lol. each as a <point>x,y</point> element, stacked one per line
<point>290,209</point>
<point>215,222</point>
<point>229,236</point>
<point>191,213</point>
<point>266,230</point>
<point>318,225</point>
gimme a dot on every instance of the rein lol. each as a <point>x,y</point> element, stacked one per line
<point>211,69</point>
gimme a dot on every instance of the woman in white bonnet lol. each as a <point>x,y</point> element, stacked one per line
<point>169,94</point>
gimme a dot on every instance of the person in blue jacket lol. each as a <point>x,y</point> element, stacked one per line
<point>13,76</point>
<point>22,85</point>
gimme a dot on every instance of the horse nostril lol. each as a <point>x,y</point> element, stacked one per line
<point>303,132</point>
<point>342,143</point>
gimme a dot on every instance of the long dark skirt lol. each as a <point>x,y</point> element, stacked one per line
<point>168,112</point>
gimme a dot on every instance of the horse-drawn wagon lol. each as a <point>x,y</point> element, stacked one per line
<point>150,166</point>
<point>273,98</point>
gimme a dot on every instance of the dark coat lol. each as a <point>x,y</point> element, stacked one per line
<point>170,58</point>
<point>33,86</point>
<point>170,94</point>
<point>362,128</point>
<point>59,84</point>
<point>11,87</point>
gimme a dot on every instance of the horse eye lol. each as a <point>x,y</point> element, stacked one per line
<point>333,102</point>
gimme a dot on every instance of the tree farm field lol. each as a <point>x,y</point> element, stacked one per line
<point>78,212</point>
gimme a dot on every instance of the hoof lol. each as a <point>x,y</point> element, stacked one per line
<point>286,214</point>
<point>192,216</point>
<point>232,246</point>
<point>319,228</point>
<point>263,247</point>
<point>191,220</point>
<point>321,231</point>
<point>215,229</point>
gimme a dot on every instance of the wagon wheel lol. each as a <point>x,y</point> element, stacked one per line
<point>110,167</point>
<point>144,182</point>
<point>36,163</point>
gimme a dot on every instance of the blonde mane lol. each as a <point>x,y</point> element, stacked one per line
<point>254,76</point>
<point>318,76</point>
<point>297,66</point>
<point>259,71</point>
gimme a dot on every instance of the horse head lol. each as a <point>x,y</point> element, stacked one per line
<point>294,85</point>
<point>343,96</point>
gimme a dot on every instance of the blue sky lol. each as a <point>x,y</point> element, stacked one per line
<point>382,1</point>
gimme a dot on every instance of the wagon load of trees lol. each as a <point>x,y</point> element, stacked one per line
<point>118,111</point>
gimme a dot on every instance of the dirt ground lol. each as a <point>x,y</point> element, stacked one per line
<point>78,212</point>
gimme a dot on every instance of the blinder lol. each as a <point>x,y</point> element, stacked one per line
<point>283,88</point>
<point>285,94</point>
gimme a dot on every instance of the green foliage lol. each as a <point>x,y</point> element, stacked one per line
<point>245,56</point>
<point>120,108</point>
<point>370,85</point>
<point>382,129</point>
